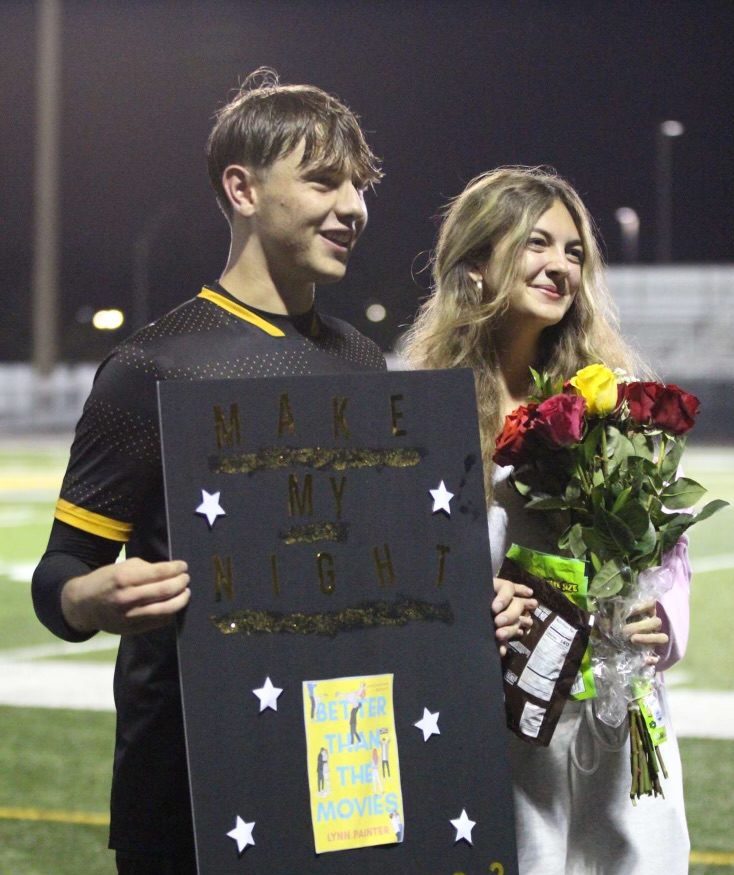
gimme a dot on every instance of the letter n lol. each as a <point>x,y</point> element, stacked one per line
<point>383,564</point>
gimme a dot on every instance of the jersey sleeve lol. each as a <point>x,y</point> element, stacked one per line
<point>115,457</point>
<point>70,553</point>
<point>113,465</point>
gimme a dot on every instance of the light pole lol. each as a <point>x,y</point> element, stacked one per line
<point>45,277</point>
<point>629,228</point>
<point>142,246</point>
<point>666,132</point>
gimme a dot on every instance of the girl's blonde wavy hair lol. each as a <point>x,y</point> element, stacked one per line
<point>457,325</point>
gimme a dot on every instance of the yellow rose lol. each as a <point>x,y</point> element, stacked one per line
<point>597,385</point>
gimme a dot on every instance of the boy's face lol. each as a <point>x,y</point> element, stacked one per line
<point>307,220</point>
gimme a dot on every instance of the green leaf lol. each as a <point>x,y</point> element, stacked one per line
<point>522,487</point>
<point>612,527</point>
<point>597,541</point>
<point>643,445</point>
<point>547,504</point>
<point>657,514</point>
<point>572,492</point>
<point>669,537</point>
<point>646,544</point>
<point>682,493</point>
<point>621,499</point>
<point>590,445</point>
<point>608,581</point>
<point>621,448</point>
<point>710,509</point>
<point>671,463</point>
<point>576,543</point>
<point>635,517</point>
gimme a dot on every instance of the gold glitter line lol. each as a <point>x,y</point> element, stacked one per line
<point>315,532</point>
<point>331,623</point>
<point>336,459</point>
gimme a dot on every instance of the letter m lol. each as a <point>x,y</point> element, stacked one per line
<point>228,430</point>
<point>300,502</point>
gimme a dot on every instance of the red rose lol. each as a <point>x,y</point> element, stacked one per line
<point>666,407</point>
<point>641,398</point>
<point>675,411</point>
<point>560,419</point>
<point>510,445</point>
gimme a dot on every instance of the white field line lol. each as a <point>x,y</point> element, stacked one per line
<point>713,563</point>
<point>29,678</point>
<point>57,684</point>
<point>702,713</point>
<point>101,641</point>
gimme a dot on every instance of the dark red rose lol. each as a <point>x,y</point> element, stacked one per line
<point>510,447</point>
<point>675,411</point>
<point>641,398</point>
<point>667,407</point>
<point>560,420</point>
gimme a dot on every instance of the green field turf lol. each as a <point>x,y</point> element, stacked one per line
<point>54,764</point>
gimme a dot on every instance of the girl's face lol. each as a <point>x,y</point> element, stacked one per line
<point>550,269</point>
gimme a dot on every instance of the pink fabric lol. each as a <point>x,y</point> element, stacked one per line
<point>673,607</point>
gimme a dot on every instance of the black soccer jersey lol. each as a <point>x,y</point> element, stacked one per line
<point>113,489</point>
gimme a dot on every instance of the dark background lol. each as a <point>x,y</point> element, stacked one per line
<point>445,90</point>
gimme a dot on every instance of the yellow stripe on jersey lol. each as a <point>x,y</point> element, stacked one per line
<point>241,312</point>
<point>94,523</point>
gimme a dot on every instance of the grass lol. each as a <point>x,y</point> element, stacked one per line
<point>57,763</point>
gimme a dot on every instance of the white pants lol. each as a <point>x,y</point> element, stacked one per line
<point>573,813</point>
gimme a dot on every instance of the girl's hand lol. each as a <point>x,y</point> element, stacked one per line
<point>643,628</point>
<point>512,608</point>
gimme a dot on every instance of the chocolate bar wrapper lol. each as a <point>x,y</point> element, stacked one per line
<point>540,668</point>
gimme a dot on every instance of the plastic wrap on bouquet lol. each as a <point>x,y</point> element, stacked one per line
<point>619,667</point>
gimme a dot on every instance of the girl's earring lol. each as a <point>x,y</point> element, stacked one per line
<point>480,285</point>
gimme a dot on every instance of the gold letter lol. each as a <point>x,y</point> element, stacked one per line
<point>297,502</point>
<point>396,415</point>
<point>227,435</point>
<point>286,422</point>
<point>222,578</point>
<point>274,573</point>
<point>442,551</point>
<point>384,566</point>
<point>338,405</point>
<point>338,492</point>
<point>326,578</point>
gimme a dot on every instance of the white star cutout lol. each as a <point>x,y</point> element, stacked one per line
<point>268,695</point>
<point>441,498</point>
<point>463,827</point>
<point>242,834</point>
<point>210,507</point>
<point>428,724</point>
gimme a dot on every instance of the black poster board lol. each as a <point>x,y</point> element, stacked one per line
<point>322,553</point>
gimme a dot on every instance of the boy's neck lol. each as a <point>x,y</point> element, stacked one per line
<point>248,278</point>
<point>259,291</point>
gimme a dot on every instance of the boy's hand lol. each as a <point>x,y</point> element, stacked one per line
<point>127,597</point>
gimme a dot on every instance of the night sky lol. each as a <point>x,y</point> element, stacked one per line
<point>446,90</point>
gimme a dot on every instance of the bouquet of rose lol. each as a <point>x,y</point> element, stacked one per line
<point>603,453</point>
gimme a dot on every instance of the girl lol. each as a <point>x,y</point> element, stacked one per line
<point>518,282</point>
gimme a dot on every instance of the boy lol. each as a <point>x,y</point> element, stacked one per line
<point>289,165</point>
